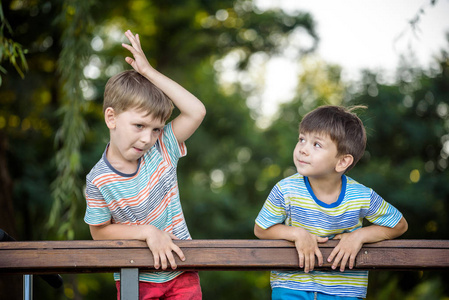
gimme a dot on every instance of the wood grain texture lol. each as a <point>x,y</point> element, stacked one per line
<point>39,257</point>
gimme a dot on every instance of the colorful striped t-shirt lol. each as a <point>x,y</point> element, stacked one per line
<point>148,196</point>
<point>293,203</point>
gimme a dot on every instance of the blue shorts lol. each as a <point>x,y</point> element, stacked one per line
<point>287,294</point>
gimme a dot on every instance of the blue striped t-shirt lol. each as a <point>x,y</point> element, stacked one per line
<point>293,203</point>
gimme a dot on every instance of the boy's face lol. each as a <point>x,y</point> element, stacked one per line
<point>315,155</point>
<point>133,133</point>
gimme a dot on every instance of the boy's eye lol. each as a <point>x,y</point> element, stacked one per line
<point>139,126</point>
<point>318,145</point>
<point>301,140</point>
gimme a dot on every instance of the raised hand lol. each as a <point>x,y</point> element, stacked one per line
<point>139,62</point>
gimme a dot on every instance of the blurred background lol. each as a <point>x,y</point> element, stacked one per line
<point>258,66</point>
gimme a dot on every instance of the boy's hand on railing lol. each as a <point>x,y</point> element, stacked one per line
<point>162,247</point>
<point>307,246</point>
<point>346,250</point>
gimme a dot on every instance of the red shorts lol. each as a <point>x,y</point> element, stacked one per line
<point>184,287</point>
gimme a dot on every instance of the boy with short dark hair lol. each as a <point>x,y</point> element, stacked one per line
<point>132,192</point>
<point>320,203</point>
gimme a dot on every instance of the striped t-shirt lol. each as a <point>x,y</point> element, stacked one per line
<point>148,196</point>
<point>293,203</point>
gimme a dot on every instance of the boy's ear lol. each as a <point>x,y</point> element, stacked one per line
<point>109,117</point>
<point>344,162</point>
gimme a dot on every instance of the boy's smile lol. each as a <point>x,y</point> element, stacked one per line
<point>133,133</point>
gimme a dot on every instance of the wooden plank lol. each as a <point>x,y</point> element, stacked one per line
<point>111,256</point>
<point>254,243</point>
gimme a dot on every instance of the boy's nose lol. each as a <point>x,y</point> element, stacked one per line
<point>303,150</point>
<point>146,137</point>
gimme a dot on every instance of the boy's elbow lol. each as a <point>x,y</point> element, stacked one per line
<point>258,231</point>
<point>96,232</point>
<point>202,112</point>
<point>403,225</point>
<point>199,115</point>
<point>400,228</point>
<point>93,232</point>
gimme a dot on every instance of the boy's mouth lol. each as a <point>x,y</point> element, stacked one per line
<point>138,149</point>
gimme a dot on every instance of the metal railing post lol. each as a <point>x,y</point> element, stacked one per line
<point>129,284</point>
<point>27,287</point>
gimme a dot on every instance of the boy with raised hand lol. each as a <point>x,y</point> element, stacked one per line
<point>132,192</point>
<point>320,203</point>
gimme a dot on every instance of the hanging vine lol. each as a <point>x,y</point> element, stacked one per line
<point>77,25</point>
<point>9,49</point>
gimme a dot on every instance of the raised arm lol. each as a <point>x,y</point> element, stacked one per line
<point>306,243</point>
<point>192,110</point>
<point>159,242</point>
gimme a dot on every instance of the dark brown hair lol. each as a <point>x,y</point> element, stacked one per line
<point>343,126</point>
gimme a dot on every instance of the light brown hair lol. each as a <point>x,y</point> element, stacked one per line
<point>130,90</point>
<point>343,126</point>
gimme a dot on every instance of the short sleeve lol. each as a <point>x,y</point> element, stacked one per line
<point>381,212</point>
<point>97,211</point>
<point>171,149</point>
<point>273,211</point>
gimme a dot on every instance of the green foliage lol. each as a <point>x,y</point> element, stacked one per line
<point>9,49</point>
<point>56,135</point>
<point>406,162</point>
<point>67,187</point>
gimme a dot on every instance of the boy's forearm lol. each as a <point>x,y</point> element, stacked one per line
<point>276,232</point>
<point>192,110</point>
<point>182,98</point>
<point>121,232</point>
<point>376,233</point>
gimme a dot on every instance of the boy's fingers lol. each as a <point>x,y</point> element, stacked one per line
<point>156,261</point>
<point>129,35</point>
<point>319,256</point>
<point>321,239</point>
<point>163,262</point>
<point>133,47</point>
<point>311,261</point>
<point>301,260</point>
<point>129,60</point>
<point>134,39</point>
<point>172,260</point>
<point>173,237</point>
<point>343,263</point>
<point>129,48</point>
<point>337,261</point>
<point>332,255</point>
<point>179,252</point>
<point>306,264</point>
<point>351,262</point>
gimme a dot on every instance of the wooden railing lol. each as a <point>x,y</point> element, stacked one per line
<point>130,256</point>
